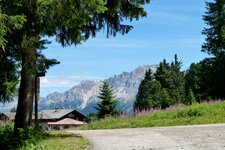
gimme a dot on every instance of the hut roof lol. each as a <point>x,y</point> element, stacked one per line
<point>56,113</point>
<point>67,121</point>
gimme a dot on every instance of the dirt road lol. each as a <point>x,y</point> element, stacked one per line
<point>200,137</point>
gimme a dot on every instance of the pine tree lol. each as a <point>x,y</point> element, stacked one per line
<point>172,80</point>
<point>164,74</point>
<point>190,99</point>
<point>9,78</point>
<point>192,81</point>
<point>213,72</point>
<point>146,96</point>
<point>215,33</point>
<point>165,88</point>
<point>7,23</point>
<point>107,107</point>
<point>164,99</point>
<point>178,90</point>
<point>69,22</point>
<point>140,102</point>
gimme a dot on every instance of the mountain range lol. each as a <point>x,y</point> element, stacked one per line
<point>83,96</point>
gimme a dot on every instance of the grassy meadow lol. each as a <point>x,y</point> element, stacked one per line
<point>204,113</point>
<point>37,139</point>
<point>61,140</point>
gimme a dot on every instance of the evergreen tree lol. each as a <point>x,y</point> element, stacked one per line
<point>8,67</point>
<point>164,75</point>
<point>176,64</point>
<point>178,81</point>
<point>208,80</point>
<point>107,107</point>
<point>190,98</point>
<point>7,23</point>
<point>9,78</point>
<point>165,88</point>
<point>70,22</point>
<point>172,80</point>
<point>164,99</point>
<point>145,97</point>
<point>212,71</point>
<point>192,81</point>
<point>215,33</point>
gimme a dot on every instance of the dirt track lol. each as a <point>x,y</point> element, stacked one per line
<point>201,137</point>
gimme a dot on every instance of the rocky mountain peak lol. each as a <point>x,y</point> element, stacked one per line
<point>84,96</point>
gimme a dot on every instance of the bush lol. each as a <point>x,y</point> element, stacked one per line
<point>24,140</point>
<point>193,111</point>
<point>6,136</point>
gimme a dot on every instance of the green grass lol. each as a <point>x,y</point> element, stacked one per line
<point>38,139</point>
<point>59,140</point>
<point>205,113</point>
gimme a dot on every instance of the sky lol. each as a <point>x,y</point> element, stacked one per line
<point>171,27</point>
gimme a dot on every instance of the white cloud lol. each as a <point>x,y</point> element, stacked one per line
<point>66,82</point>
<point>50,84</point>
<point>54,82</point>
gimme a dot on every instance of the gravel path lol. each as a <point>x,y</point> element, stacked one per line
<point>197,137</point>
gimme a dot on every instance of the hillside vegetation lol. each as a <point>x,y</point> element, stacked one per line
<point>204,113</point>
<point>60,140</point>
<point>38,139</point>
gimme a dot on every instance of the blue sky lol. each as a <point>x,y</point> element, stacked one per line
<point>172,27</point>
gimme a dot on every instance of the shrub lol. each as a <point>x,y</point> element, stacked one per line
<point>6,136</point>
<point>25,139</point>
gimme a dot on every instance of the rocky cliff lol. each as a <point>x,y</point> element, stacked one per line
<point>84,96</point>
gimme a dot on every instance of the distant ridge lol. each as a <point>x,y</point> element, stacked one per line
<point>83,96</point>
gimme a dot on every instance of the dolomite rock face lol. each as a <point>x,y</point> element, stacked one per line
<point>84,96</point>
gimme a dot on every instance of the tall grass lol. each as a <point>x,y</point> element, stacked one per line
<point>205,113</point>
<point>38,139</point>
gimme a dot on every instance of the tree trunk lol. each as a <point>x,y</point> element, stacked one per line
<point>25,102</point>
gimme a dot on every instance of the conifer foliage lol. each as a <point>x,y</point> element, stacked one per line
<point>148,88</point>
<point>25,23</point>
<point>212,72</point>
<point>107,107</point>
<point>215,32</point>
<point>166,87</point>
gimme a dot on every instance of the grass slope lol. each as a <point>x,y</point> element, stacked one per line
<point>205,113</point>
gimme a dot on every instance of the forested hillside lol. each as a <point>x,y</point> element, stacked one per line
<point>202,81</point>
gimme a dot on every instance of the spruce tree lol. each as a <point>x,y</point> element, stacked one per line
<point>215,33</point>
<point>213,72</point>
<point>107,106</point>
<point>192,81</point>
<point>70,22</point>
<point>165,88</point>
<point>172,81</point>
<point>164,99</point>
<point>164,74</point>
<point>178,90</point>
<point>190,98</point>
<point>145,97</point>
<point>9,78</point>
